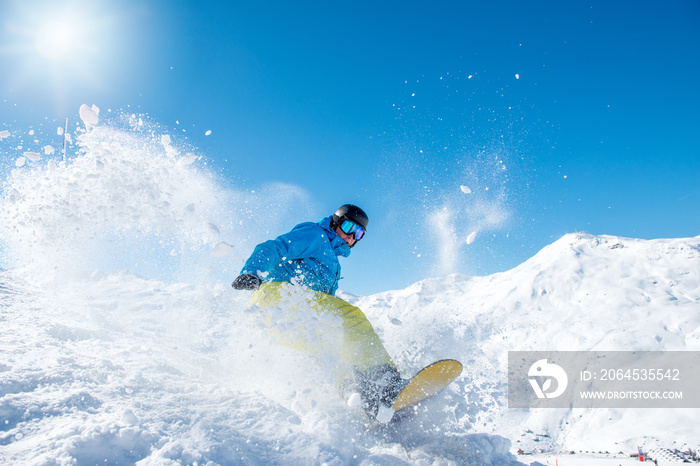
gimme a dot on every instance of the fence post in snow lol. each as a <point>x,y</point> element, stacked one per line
<point>65,130</point>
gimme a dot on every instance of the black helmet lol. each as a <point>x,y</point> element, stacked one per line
<point>352,213</point>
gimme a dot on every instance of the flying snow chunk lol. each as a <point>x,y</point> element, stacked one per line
<point>471,237</point>
<point>187,160</point>
<point>384,414</point>
<point>221,250</point>
<point>4,134</point>
<point>89,115</point>
<point>166,142</point>
<point>207,133</point>
<point>465,189</point>
<point>33,156</point>
<point>517,76</point>
<point>20,162</point>
<point>355,400</point>
<point>212,230</point>
<point>48,150</point>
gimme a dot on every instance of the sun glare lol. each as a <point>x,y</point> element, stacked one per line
<point>54,40</point>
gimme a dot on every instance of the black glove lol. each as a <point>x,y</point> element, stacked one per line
<point>247,281</point>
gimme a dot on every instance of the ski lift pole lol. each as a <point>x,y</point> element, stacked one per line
<point>65,130</point>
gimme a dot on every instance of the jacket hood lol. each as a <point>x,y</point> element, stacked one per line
<point>340,247</point>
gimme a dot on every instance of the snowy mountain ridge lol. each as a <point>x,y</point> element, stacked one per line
<point>579,279</point>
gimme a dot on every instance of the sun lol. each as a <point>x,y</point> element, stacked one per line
<point>54,39</point>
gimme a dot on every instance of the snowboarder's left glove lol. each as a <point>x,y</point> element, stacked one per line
<point>247,281</point>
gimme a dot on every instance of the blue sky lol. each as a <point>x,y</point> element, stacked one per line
<point>559,116</point>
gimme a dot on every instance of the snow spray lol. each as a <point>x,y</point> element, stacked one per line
<point>132,198</point>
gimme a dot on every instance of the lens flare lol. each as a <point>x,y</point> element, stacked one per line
<point>54,40</point>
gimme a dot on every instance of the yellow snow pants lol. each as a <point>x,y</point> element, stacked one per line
<point>357,344</point>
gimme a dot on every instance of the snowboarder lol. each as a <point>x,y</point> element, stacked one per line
<point>305,260</point>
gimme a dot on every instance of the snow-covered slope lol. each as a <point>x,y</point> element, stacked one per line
<point>583,292</point>
<point>119,346</point>
<point>120,369</point>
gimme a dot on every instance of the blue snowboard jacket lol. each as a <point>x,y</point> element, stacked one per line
<point>307,255</point>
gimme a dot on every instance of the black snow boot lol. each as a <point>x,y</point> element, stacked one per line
<point>378,385</point>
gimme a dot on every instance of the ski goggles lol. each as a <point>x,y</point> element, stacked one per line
<point>352,228</point>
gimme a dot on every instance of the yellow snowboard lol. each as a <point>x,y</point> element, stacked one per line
<point>428,382</point>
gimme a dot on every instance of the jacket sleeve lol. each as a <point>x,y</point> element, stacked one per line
<point>305,240</point>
